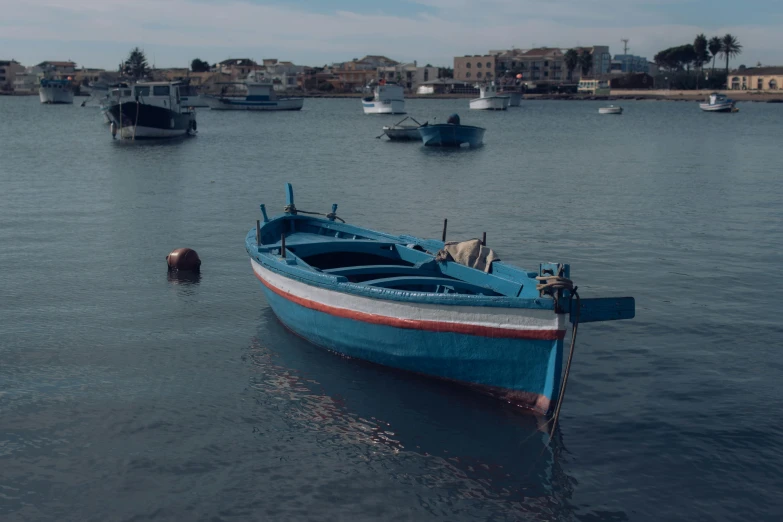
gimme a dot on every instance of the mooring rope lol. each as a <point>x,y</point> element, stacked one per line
<point>291,209</point>
<point>561,396</point>
<point>552,285</point>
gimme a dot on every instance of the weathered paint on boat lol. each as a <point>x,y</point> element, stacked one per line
<point>385,299</point>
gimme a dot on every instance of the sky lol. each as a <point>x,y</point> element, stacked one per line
<point>100,33</point>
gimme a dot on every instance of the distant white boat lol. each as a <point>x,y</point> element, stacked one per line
<point>386,99</point>
<point>252,96</point>
<point>55,91</point>
<point>718,103</point>
<point>489,100</point>
<point>610,110</point>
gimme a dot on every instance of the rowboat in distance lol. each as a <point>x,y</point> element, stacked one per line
<point>453,311</point>
<point>451,134</point>
<point>403,132</point>
<point>612,109</point>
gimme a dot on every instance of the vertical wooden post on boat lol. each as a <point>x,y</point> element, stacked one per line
<point>445,224</point>
<point>334,212</point>
<point>289,199</point>
<point>263,211</point>
<point>282,245</point>
<point>258,232</point>
<point>484,239</point>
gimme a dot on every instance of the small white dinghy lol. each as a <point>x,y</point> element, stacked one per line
<point>400,132</point>
<point>610,110</point>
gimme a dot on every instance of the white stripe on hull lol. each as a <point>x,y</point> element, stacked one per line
<point>493,317</point>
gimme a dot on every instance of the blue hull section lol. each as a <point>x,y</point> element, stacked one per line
<point>524,371</point>
<point>448,135</point>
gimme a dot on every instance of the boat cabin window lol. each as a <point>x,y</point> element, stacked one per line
<point>161,90</point>
<point>141,90</point>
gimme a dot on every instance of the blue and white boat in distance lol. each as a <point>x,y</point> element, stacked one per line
<point>451,134</point>
<point>718,103</point>
<point>251,95</point>
<point>399,301</point>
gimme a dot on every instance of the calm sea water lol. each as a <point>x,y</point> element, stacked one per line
<point>126,394</point>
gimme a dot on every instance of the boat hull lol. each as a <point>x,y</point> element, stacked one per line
<point>513,353</point>
<point>55,95</point>
<point>490,103</point>
<point>383,107</point>
<point>610,110</point>
<point>243,104</point>
<point>514,99</point>
<point>719,107</point>
<point>448,135</point>
<point>140,121</point>
<point>402,133</point>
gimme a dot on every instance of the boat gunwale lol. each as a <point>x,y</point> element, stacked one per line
<point>297,268</point>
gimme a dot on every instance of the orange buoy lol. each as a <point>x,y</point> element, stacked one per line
<point>184,259</point>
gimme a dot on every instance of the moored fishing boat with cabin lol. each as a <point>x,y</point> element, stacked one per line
<point>446,310</point>
<point>152,111</point>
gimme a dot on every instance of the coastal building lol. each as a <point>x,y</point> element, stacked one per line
<point>57,69</point>
<point>27,81</point>
<point>409,75</point>
<point>8,71</point>
<point>85,76</point>
<point>284,75</point>
<point>237,68</point>
<point>546,65</point>
<point>355,75</point>
<point>475,68</point>
<point>445,86</point>
<point>629,63</point>
<point>756,79</point>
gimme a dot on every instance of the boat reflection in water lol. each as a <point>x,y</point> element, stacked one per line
<point>475,446</point>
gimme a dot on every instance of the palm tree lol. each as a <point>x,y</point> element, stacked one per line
<point>586,62</point>
<point>730,48</point>
<point>715,45</point>
<point>701,56</point>
<point>571,60</point>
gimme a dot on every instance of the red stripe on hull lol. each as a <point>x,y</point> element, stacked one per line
<point>416,324</point>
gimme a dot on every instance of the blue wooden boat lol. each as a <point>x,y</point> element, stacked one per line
<point>451,134</point>
<point>398,301</point>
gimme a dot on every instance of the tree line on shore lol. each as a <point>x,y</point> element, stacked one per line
<point>685,63</point>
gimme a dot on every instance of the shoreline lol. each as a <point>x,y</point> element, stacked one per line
<point>699,96</point>
<point>618,95</point>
